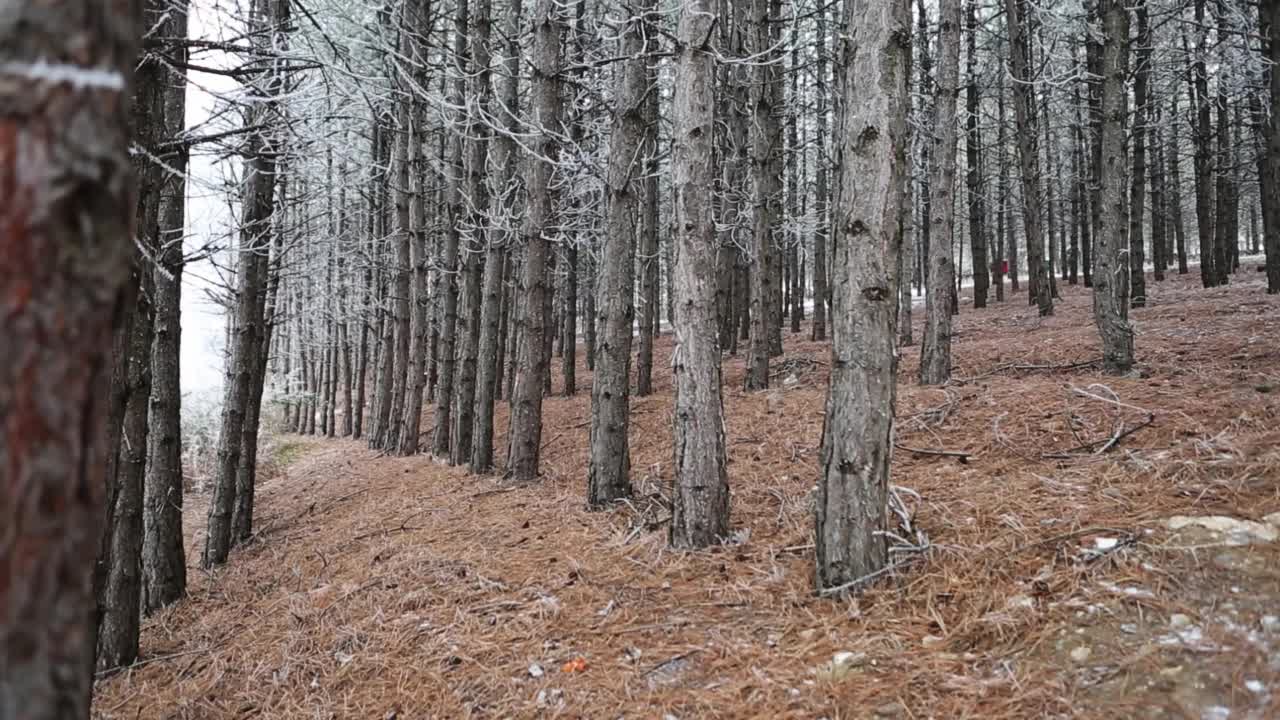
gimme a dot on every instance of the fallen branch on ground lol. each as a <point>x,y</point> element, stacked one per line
<point>963,456</point>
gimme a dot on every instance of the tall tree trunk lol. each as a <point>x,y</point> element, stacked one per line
<point>766,186</point>
<point>1111,276</point>
<point>526,396</point>
<point>1175,188</point>
<point>400,336</point>
<point>975,177</point>
<point>255,228</point>
<point>853,481</point>
<point>649,258</point>
<point>1159,212</point>
<point>1138,179</point>
<point>1202,136</point>
<point>821,204</point>
<point>700,498</point>
<point>440,439</point>
<point>1028,154</point>
<point>488,355</point>
<point>609,470</point>
<point>164,561</point>
<point>935,357</point>
<point>65,246</point>
<point>477,194</point>
<point>1269,167</point>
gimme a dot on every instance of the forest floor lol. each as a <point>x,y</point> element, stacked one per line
<point>1103,552</point>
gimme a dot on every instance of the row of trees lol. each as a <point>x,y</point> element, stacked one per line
<point>436,200</point>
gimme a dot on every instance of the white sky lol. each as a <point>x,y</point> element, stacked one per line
<point>208,217</point>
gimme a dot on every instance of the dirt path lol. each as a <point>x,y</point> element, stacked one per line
<point>396,587</point>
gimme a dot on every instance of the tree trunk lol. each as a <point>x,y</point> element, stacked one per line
<point>66,231</point>
<point>857,434</point>
<point>1111,277</point>
<point>1028,155</point>
<point>973,158</point>
<point>526,396</point>
<point>649,259</point>
<point>766,186</point>
<point>488,356</point>
<point>451,269</point>
<point>821,204</point>
<point>700,497</point>
<point>1269,168</point>
<point>1202,135</point>
<point>1138,178</point>
<point>164,561</point>
<point>258,208</point>
<point>609,470</point>
<point>935,357</point>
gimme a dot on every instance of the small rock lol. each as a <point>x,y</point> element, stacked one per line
<point>536,671</point>
<point>809,634</point>
<point>549,697</point>
<point>1255,687</point>
<point>1237,532</point>
<point>1271,623</point>
<point>1081,654</point>
<point>1129,628</point>
<point>1019,601</point>
<point>1178,621</point>
<point>889,710</point>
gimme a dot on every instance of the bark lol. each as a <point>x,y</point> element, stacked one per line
<point>476,192</point>
<point>1175,189</point>
<point>935,358</point>
<point>164,562</point>
<point>858,429</point>
<point>1159,208</point>
<point>1138,178</point>
<point>648,261</point>
<point>1269,167</point>
<point>399,335</point>
<point>1202,136</point>
<point>766,186</point>
<point>609,469</point>
<point>255,227</point>
<point>66,230</point>
<point>700,497</point>
<point>1028,154</point>
<point>488,352</point>
<point>440,439</point>
<point>1111,277</point>
<point>526,396</point>
<point>821,205</point>
<point>973,160</point>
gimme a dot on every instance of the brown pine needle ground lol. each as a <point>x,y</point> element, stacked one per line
<point>400,588</point>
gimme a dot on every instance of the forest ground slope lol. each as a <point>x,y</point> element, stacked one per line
<point>382,587</point>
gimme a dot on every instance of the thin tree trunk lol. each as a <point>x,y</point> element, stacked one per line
<point>164,562</point>
<point>821,204</point>
<point>1028,154</point>
<point>1111,276</point>
<point>935,357</point>
<point>973,159</point>
<point>259,206</point>
<point>766,186</point>
<point>488,351</point>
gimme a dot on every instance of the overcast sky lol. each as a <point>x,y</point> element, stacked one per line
<point>208,217</point>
